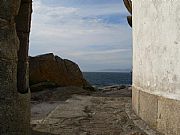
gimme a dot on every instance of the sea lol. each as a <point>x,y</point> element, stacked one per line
<point>101,79</point>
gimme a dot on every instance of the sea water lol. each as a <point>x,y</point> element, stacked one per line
<point>100,79</point>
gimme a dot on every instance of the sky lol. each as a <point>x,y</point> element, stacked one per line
<point>92,33</point>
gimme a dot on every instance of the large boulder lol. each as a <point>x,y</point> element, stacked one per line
<point>48,70</point>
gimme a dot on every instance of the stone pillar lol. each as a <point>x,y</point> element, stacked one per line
<point>23,23</point>
<point>156,63</point>
<point>14,106</point>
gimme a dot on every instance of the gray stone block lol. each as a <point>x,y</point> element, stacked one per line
<point>169,116</point>
<point>148,108</point>
<point>135,100</point>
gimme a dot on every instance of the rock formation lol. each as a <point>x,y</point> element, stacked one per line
<point>23,22</point>
<point>15,106</point>
<point>128,4</point>
<point>48,70</point>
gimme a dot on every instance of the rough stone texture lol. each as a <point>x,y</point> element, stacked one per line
<point>135,100</point>
<point>54,70</point>
<point>156,64</point>
<point>148,108</point>
<point>139,122</point>
<point>58,94</point>
<point>102,113</point>
<point>128,5</point>
<point>168,116</point>
<point>23,22</point>
<point>159,112</point>
<point>14,107</point>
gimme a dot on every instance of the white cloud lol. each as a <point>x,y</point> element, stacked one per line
<point>101,52</point>
<point>63,30</point>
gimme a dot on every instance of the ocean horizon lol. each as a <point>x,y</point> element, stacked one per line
<point>101,79</point>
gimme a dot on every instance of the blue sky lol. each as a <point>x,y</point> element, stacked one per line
<point>92,33</point>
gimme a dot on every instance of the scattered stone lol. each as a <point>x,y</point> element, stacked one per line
<point>95,114</point>
<point>41,86</point>
<point>122,87</point>
<point>115,91</point>
<point>58,94</point>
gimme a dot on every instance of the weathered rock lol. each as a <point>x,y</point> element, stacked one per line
<point>82,114</point>
<point>54,70</point>
<point>129,19</point>
<point>15,106</point>
<point>128,5</point>
<point>23,25</point>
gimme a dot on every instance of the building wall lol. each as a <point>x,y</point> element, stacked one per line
<point>156,63</point>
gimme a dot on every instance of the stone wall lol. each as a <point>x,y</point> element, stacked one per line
<point>14,106</point>
<point>156,63</point>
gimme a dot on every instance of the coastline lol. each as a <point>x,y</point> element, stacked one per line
<point>101,79</point>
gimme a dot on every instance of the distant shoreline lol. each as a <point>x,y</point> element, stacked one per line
<point>106,71</point>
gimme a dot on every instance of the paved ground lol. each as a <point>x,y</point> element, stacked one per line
<point>103,113</point>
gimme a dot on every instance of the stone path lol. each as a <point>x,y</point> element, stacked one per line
<point>103,113</point>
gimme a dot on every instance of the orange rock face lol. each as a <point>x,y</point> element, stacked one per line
<point>52,69</point>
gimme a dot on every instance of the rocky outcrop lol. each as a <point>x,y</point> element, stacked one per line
<point>15,104</point>
<point>128,5</point>
<point>48,71</point>
<point>23,25</point>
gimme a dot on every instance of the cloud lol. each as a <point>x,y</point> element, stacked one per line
<point>101,52</point>
<point>82,33</point>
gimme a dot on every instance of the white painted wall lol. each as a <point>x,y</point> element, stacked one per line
<point>156,47</point>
